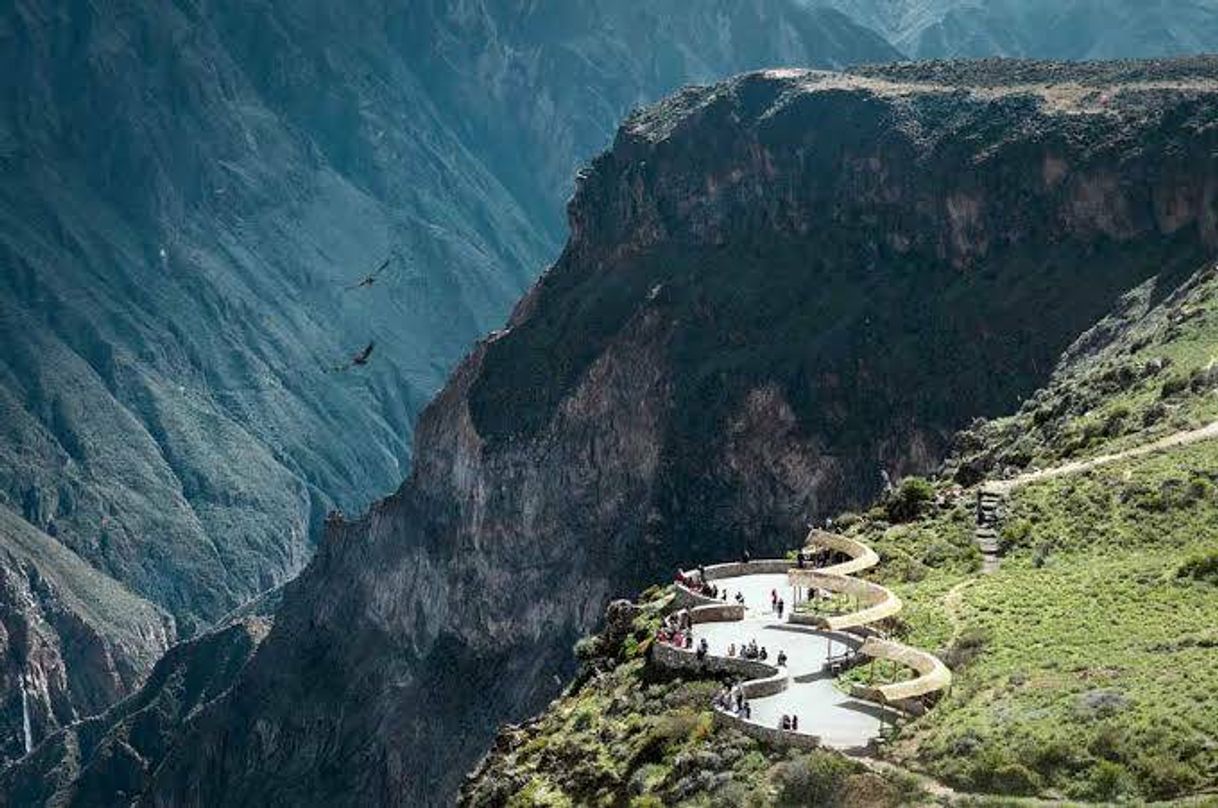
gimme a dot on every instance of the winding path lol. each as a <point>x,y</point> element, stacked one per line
<point>992,493</point>
<point>1207,432</point>
<point>813,644</point>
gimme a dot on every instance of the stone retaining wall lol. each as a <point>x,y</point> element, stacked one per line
<point>762,566</point>
<point>759,678</point>
<point>767,735</point>
<point>686,598</point>
<point>717,613</point>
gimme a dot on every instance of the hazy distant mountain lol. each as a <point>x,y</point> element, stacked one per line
<point>1045,29</point>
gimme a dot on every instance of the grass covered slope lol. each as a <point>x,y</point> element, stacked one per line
<point>1084,665</point>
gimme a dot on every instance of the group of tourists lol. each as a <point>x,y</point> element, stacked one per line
<point>749,650</point>
<point>733,701</point>
<point>677,630</point>
<point>696,582</point>
<point>679,638</point>
<point>789,723</point>
<point>814,559</point>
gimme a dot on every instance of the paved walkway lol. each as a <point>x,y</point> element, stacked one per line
<point>841,722</point>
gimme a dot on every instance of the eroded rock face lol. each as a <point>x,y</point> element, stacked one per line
<point>110,757</point>
<point>73,642</point>
<point>773,287</point>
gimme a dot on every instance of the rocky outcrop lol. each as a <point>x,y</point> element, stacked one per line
<point>73,641</point>
<point>840,269</point>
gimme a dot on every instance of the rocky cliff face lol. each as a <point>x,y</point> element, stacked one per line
<point>773,287</point>
<point>111,756</point>
<point>73,641</point>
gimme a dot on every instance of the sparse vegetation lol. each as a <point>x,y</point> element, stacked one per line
<point>628,736</point>
<point>1081,666</point>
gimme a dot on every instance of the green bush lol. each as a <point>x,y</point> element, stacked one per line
<point>588,648</point>
<point>1013,778</point>
<point>1109,781</point>
<point>1163,777</point>
<point>846,520</point>
<point>906,503</point>
<point>1015,533</point>
<point>1173,386</point>
<point>817,778</point>
<point>967,647</point>
<point>1202,567</point>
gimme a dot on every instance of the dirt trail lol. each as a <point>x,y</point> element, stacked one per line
<point>952,602</point>
<point>1208,432</point>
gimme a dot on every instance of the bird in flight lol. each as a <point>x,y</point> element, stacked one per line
<point>371,278</point>
<point>358,360</point>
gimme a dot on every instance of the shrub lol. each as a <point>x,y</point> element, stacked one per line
<point>1057,754</point>
<point>1173,386</point>
<point>1163,776</point>
<point>939,554</point>
<point>1108,781</point>
<point>588,648</point>
<point>846,520</point>
<point>967,647</point>
<point>1154,414</point>
<point>1109,743</point>
<point>1014,778</point>
<point>540,793</point>
<point>1202,567</point>
<point>1114,424</point>
<point>906,503</point>
<point>817,778</point>
<point>1015,533</point>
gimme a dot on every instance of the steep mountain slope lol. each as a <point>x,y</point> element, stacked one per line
<point>110,756</point>
<point>73,641</point>
<point>772,287</point>
<point>1046,29</point>
<point>189,191</point>
<point>539,86</point>
<point>176,241</point>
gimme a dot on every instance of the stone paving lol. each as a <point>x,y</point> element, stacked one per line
<point>841,722</point>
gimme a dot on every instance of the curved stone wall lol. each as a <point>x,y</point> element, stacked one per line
<point>881,602</point>
<point>932,673</point>
<point>861,556</point>
<point>759,679</point>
